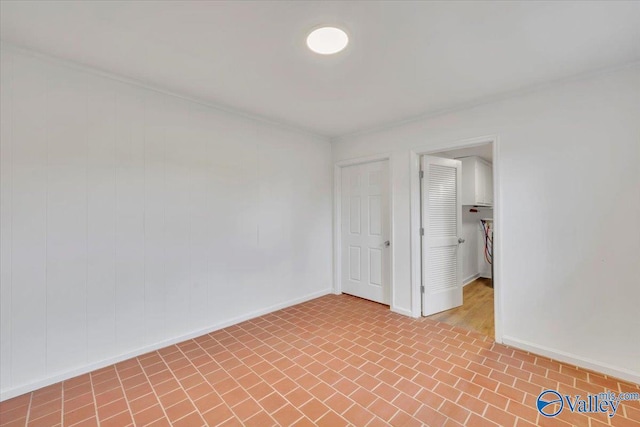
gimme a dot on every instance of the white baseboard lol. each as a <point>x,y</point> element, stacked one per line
<point>562,356</point>
<point>470,279</point>
<point>26,388</point>
<point>485,274</point>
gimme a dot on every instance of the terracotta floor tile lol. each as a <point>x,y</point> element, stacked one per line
<point>235,396</point>
<point>260,390</point>
<point>447,391</point>
<point>199,391</point>
<point>455,412</point>
<point>358,415</point>
<point>246,409</point>
<point>346,386</point>
<point>143,403</point>
<point>136,392</point>
<point>476,420</point>
<point>272,402</point>
<point>22,401</point>
<point>383,409</point>
<point>331,419</point>
<point>192,381</point>
<point>225,385</point>
<point>77,391</point>
<point>261,419</point>
<point>377,422</point>
<point>471,403</point>
<point>494,399</point>
<point>162,422</point>
<point>192,420</point>
<point>121,420</point>
<point>322,391</point>
<point>314,409</point>
<point>274,376</point>
<point>79,414</point>
<point>330,376</point>
<point>106,386</point>
<point>522,423</point>
<point>112,409</point>
<point>249,380</point>
<point>45,408</point>
<point>298,397</point>
<point>284,386</point>
<point>287,415</point>
<point>111,396</point>
<point>330,361</point>
<point>339,403</point>
<point>208,402</point>
<point>89,422</point>
<point>78,402</point>
<point>510,392</point>
<point>11,415</point>
<point>148,415</point>
<point>388,377</point>
<point>407,403</point>
<point>132,371</point>
<point>386,392</point>
<point>179,410</point>
<point>218,415</point>
<point>19,422</point>
<point>430,416</point>
<point>363,397</point>
<point>171,398</point>
<point>499,416</point>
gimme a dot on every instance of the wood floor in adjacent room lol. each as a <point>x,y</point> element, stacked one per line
<point>476,313</point>
<point>333,361</point>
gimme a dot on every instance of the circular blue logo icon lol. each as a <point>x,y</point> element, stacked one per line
<point>545,401</point>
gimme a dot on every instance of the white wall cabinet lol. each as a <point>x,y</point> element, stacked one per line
<point>477,181</point>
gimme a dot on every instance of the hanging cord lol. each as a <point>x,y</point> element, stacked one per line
<point>487,245</point>
<point>488,242</point>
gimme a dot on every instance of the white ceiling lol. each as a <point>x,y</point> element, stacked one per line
<point>405,58</point>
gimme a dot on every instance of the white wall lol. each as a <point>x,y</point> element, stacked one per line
<point>569,171</point>
<point>131,218</point>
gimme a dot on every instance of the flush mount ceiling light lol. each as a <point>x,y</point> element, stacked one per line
<point>327,40</point>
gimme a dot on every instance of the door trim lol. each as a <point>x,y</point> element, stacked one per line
<point>416,251</point>
<point>337,221</point>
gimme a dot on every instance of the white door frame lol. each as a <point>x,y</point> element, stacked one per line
<point>337,219</point>
<point>416,251</point>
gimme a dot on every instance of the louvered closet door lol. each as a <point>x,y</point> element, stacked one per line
<point>441,220</point>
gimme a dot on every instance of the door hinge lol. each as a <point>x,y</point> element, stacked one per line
<point>421,231</point>
<point>422,289</point>
<point>421,174</point>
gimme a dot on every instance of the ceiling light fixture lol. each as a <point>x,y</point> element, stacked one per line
<point>327,40</point>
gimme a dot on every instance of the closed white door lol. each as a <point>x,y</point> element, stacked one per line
<point>365,229</point>
<point>441,228</point>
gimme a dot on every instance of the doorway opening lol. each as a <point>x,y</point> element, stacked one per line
<point>457,230</point>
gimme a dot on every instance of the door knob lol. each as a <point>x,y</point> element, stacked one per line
<point>460,240</point>
<point>387,243</point>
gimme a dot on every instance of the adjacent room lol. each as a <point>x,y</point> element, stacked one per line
<point>318,213</point>
<point>474,246</point>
